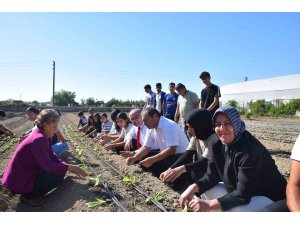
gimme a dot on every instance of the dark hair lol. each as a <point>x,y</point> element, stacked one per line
<point>58,112</point>
<point>114,114</point>
<point>204,74</point>
<point>2,113</point>
<point>32,109</point>
<point>105,115</point>
<point>46,116</point>
<point>98,116</point>
<point>123,116</point>
<point>80,113</point>
<point>147,86</point>
<point>158,84</point>
<point>179,85</point>
<point>151,111</point>
<point>172,83</point>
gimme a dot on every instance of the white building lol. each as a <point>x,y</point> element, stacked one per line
<point>275,90</point>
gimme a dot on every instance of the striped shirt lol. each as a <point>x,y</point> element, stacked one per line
<point>106,127</point>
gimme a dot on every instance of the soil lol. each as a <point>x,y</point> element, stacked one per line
<point>278,135</point>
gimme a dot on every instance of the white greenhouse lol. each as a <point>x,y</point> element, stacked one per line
<point>275,90</point>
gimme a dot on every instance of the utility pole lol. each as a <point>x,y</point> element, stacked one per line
<point>53,84</point>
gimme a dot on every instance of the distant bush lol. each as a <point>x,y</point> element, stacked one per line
<point>232,103</point>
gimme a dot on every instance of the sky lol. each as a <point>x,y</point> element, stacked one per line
<point>114,54</point>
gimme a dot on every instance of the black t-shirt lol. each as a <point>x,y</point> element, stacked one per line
<point>208,94</point>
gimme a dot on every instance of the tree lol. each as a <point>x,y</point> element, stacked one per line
<point>63,98</point>
<point>90,101</point>
<point>232,103</point>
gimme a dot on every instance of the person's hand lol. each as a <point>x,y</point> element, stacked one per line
<point>102,142</point>
<point>188,195</point>
<point>201,205</point>
<point>172,174</point>
<point>130,160</point>
<point>108,147</point>
<point>147,162</point>
<point>126,154</point>
<point>128,145</point>
<point>77,171</point>
<point>105,137</point>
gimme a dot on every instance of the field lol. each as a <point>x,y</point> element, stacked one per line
<point>278,135</point>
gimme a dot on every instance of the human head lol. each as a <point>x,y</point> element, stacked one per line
<point>91,111</point>
<point>47,121</point>
<point>32,113</point>
<point>228,125</point>
<point>80,114</point>
<point>135,116</point>
<point>172,87</point>
<point>2,115</point>
<point>151,117</point>
<point>199,122</point>
<point>103,118</point>
<point>205,77</point>
<point>158,87</point>
<point>122,120</point>
<point>114,114</point>
<point>147,88</point>
<point>180,88</point>
<point>97,118</point>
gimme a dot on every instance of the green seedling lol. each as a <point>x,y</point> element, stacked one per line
<point>95,180</point>
<point>94,204</point>
<point>160,196</point>
<point>79,150</point>
<point>85,168</point>
<point>185,209</point>
<point>130,179</point>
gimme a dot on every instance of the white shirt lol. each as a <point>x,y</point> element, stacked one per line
<point>203,147</point>
<point>132,134</point>
<point>158,102</point>
<point>296,150</point>
<point>126,131</point>
<point>167,134</point>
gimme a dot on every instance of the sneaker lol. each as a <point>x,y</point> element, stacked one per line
<point>33,202</point>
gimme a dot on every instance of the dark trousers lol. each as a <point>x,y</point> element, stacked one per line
<point>279,206</point>
<point>44,182</point>
<point>161,166</point>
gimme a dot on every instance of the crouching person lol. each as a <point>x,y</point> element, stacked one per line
<point>169,137</point>
<point>251,180</point>
<point>34,169</point>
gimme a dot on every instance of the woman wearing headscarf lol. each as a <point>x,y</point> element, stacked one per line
<point>194,161</point>
<point>250,177</point>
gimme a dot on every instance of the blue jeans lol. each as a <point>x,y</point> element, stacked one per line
<point>59,148</point>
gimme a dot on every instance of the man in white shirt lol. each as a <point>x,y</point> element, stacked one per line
<point>170,138</point>
<point>137,135</point>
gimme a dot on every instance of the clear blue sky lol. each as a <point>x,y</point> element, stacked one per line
<point>105,55</point>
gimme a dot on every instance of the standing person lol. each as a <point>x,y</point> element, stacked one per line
<point>187,101</point>
<point>170,139</point>
<point>4,131</point>
<point>150,100</point>
<point>169,104</point>
<point>34,170</point>
<point>210,94</point>
<point>293,187</point>
<point>195,159</point>
<point>251,180</point>
<point>160,95</point>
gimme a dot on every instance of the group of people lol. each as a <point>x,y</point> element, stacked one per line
<point>200,149</point>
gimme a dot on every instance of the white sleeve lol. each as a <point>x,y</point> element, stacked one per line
<point>131,134</point>
<point>172,135</point>
<point>296,150</point>
<point>149,141</point>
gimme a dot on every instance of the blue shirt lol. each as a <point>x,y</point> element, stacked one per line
<point>171,104</point>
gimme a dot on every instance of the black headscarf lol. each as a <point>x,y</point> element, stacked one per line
<point>201,121</point>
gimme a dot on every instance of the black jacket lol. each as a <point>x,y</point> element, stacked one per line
<point>247,169</point>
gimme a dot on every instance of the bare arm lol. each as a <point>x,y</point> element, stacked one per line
<point>196,105</point>
<point>177,114</point>
<point>214,104</point>
<point>201,104</point>
<point>293,188</point>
